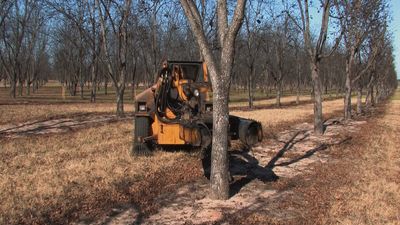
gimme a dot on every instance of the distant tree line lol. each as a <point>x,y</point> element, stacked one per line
<point>98,43</point>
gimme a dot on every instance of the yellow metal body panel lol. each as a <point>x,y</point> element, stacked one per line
<point>176,134</point>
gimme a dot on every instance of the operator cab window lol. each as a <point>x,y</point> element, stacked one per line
<point>192,72</point>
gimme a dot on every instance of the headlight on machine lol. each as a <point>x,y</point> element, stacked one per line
<point>142,107</point>
<point>196,92</point>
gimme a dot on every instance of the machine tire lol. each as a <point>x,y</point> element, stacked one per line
<point>206,139</point>
<point>142,129</point>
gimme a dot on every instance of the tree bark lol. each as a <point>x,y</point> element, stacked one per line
<point>13,86</point>
<point>250,87</point>
<point>278,93</point>
<point>348,90</point>
<point>20,87</point>
<point>359,99</point>
<point>105,87</point>
<point>219,156</point>
<point>298,84</point>
<point>28,88</point>
<point>120,102</point>
<point>220,69</point>
<point>317,86</point>
<point>94,85</point>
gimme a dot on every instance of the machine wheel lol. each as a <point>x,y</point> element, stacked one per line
<point>142,130</point>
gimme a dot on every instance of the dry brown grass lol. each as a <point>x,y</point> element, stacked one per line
<point>60,178</point>
<point>276,116</point>
<point>272,101</point>
<point>374,195</point>
<point>21,113</point>
<point>77,176</point>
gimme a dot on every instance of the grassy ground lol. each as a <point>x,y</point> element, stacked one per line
<point>372,195</point>
<point>359,184</point>
<point>366,188</point>
<point>78,176</point>
<point>61,178</point>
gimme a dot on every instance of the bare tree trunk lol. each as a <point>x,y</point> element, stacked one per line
<point>94,85</point>
<point>20,87</point>
<point>82,86</point>
<point>220,69</point>
<point>369,100</point>
<point>359,99</point>
<point>377,95</point>
<point>347,97</point>
<point>13,86</point>
<point>120,101</point>
<point>28,87</point>
<point>35,86</point>
<point>74,87</point>
<point>298,84</point>
<point>317,86</point>
<point>250,89</point>
<point>105,87</point>
<point>278,93</point>
<point>219,156</point>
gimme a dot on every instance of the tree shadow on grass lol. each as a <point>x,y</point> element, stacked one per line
<point>248,167</point>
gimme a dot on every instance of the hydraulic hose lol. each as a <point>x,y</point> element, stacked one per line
<point>161,102</point>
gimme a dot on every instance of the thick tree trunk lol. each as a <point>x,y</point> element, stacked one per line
<point>317,86</point>
<point>219,156</point>
<point>220,73</point>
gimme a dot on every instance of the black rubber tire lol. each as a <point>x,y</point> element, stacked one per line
<point>142,130</point>
<point>206,138</point>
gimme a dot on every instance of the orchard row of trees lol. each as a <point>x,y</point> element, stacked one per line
<point>99,42</point>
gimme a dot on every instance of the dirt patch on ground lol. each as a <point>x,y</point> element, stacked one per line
<point>58,125</point>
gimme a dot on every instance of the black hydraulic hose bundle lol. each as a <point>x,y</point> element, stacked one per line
<point>162,97</point>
